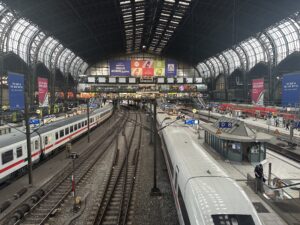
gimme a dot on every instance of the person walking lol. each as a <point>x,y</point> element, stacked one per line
<point>287,125</point>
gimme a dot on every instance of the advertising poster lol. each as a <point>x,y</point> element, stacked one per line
<point>43,92</point>
<point>290,90</point>
<point>159,68</point>
<point>16,90</point>
<point>120,68</point>
<point>148,68</point>
<point>170,68</point>
<point>258,89</point>
<point>137,67</point>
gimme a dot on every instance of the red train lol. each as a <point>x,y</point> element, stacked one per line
<point>256,111</point>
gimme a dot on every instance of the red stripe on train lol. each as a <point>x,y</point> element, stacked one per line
<point>38,152</point>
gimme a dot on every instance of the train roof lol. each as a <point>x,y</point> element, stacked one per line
<point>217,196</point>
<point>17,135</point>
<point>206,188</point>
<point>190,155</point>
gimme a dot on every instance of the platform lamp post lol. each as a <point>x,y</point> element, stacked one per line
<point>26,117</point>
<point>155,190</point>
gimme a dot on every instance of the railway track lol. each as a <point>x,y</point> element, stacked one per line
<point>39,207</point>
<point>115,203</point>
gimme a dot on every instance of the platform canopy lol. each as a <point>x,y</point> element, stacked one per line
<point>189,30</point>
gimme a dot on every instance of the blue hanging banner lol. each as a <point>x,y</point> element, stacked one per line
<point>16,90</point>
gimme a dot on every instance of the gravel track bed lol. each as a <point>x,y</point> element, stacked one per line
<point>149,210</point>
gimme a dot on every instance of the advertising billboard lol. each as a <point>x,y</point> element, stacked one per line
<point>120,68</point>
<point>258,89</point>
<point>16,90</point>
<point>148,68</point>
<point>290,90</point>
<point>159,68</point>
<point>137,68</point>
<point>43,92</point>
<point>170,68</point>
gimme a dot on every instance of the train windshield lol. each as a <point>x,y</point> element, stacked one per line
<point>232,219</point>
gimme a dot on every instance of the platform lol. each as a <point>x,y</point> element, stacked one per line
<point>282,167</point>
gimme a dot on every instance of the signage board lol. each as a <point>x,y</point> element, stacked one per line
<point>112,80</point>
<point>225,124</point>
<point>120,67</point>
<point>191,122</point>
<point>101,80</point>
<point>122,80</point>
<point>91,79</point>
<point>179,80</point>
<point>34,121</point>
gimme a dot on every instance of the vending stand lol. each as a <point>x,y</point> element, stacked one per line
<point>235,141</point>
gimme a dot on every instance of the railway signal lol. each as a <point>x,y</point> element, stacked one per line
<point>74,156</point>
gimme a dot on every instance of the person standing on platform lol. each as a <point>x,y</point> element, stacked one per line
<point>276,122</point>
<point>259,175</point>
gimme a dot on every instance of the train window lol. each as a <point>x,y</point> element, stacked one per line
<point>82,124</point>
<point>36,144</point>
<point>75,127</point>
<point>71,129</point>
<point>19,151</point>
<point>67,131</point>
<point>79,125</point>
<point>183,208</point>
<point>7,156</point>
<point>56,135</point>
<point>61,133</point>
<point>85,122</point>
<point>232,219</point>
<point>46,140</point>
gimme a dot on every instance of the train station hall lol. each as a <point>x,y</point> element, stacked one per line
<point>149,112</point>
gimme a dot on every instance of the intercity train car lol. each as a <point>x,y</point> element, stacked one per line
<point>46,140</point>
<point>204,194</point>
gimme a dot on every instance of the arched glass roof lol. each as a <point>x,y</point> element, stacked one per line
<point>273,45</point>
<point>26,40</point>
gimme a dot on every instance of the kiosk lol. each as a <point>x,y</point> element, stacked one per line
<point>235,141</point>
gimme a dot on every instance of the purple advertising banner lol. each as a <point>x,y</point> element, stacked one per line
<point>120,68</point>
<point>171,68</point>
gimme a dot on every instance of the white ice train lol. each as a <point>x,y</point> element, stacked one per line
<point>204,194</point>
<point>13,150</point>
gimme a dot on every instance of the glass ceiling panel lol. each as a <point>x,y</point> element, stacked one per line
<point>204,70</point>
<point>25,38</point>
<point>170,17</point>
<point>19,38</point>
